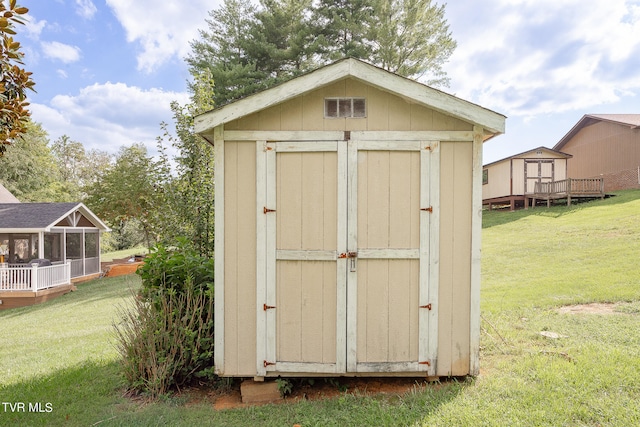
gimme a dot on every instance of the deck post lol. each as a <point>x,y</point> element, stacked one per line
<point>34,277</point>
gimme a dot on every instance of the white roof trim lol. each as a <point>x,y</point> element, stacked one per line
<point>387,81</point>
<point>84,211</point>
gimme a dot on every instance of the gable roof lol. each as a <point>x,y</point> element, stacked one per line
<point>36,217</point>
<point>6,196</point>
<point>370,74</point>
<point>524,155</point>
<point>632,121</point>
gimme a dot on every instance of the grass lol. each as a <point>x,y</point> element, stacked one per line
<point>110,256</point>
<point>533,262</point>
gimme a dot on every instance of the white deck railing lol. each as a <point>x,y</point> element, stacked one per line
<point>34,278</point>
<point>85,267</point>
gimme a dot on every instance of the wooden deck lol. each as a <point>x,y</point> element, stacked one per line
<point>569,189</point>
<point>25,284</point>
<point>14,299</point>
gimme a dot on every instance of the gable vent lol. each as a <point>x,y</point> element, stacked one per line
<point>335,108</point>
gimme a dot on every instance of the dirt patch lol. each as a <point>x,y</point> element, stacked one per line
<point>304,390</point>
<point>119,267</point>
<point>593,308</point>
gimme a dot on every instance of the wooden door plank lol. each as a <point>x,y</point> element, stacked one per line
<point>341,264</point>
<point>476,244</point>
<point>219,248</point>
<point>270,252</point>
<point>353,306</point>
<point>261,262</point>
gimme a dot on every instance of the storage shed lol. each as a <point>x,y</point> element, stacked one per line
<point>348,220</point>
<point>512,180</point>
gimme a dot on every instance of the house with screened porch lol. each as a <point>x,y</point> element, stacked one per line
<point>44,249</point>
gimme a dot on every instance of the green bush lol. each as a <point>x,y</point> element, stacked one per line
<point>166,338</point>
<point>170,267</point>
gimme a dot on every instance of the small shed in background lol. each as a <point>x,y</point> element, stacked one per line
<point>605,146</point>
<point>348,221</point>
<point>512,180</point>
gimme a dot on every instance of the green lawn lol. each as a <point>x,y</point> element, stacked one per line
<point>62,353</point>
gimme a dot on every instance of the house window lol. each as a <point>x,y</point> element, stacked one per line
<point>485,176</point>
<point>345,108</point>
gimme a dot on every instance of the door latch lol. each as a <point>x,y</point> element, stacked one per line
<point>352,256</point>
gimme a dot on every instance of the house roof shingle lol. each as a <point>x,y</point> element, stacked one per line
<point>41,216</point>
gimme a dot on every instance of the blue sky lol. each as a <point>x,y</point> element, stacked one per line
<point>106,70</point>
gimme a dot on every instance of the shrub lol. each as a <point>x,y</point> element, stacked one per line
<point>166,338</point>
<point>169,267</point>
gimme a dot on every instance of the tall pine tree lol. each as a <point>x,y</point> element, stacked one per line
<point>342,29</point>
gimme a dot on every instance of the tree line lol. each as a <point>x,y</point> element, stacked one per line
<point>247,48</point>
<point>244,48</point>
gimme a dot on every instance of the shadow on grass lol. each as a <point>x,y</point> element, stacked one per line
<point>80,395</point>
<point>92,394</point>
<point>500,217</point>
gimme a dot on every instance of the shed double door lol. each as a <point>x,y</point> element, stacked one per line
<point>537,171</point>
<point>344,280</point>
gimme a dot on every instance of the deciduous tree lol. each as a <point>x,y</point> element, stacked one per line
<point>29,170</point>
<point>128,191</point>
<point>412,38</point>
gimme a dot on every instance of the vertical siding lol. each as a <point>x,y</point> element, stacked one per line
<point>388,217</point>
<point>240,261</point>
<point>517,177</point>
<point>455,260</point>
<point>603,148</point>
<point>384,112</point>
<point>306,290</point>
<point>499,184</point>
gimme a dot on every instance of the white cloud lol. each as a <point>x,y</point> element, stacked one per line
<point>60,51</point>
<point>85,8</point>
<point>162,29</point>
<point>108,116</point>
<point>525,57</point>
<point>33,28</point>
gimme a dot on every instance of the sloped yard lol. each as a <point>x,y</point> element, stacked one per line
<point>544,359</point>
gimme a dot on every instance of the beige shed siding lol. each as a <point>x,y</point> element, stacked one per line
<point>388,217</point>
<point>603,148</point>
<point>306,290</point>
<point>385,111</point>
<point>499,183</point>
<point>455,261</point>
<point>240,260</point>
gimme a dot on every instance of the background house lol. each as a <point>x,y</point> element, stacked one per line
<point>58,232</point>
<point>607,146</point>
<point>512,180</point>
<point>44,249</point>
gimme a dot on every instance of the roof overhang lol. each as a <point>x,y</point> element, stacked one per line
<point>21,230</point>
<point>523,155</point>
<point>492,122</point>
<point>632,121</point>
